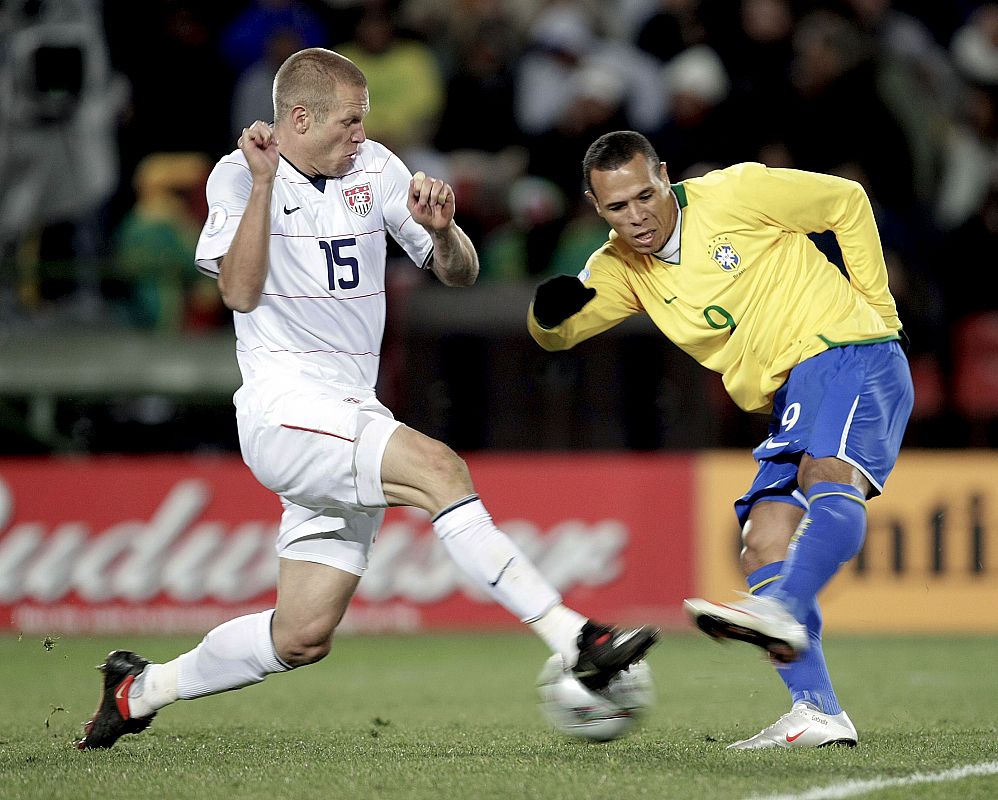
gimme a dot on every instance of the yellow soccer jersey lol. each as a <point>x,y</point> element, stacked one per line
<point>749,295</point>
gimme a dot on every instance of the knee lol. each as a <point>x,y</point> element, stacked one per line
<point>767,533</point>
<point>762,545</point>
<point>445,472</point>
<point>304,645</point>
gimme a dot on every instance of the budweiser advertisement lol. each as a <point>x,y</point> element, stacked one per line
<point>181,544</point>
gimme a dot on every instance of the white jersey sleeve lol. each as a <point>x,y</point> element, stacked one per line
<point>228,192</point>
<point>413,238</point>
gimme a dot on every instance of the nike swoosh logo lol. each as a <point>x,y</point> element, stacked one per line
<point>670,299</point>
<point>121,697</point>
<point>501,573</point>
<point>771,445</point>
<point>797,735</point>
<point>291,210</point>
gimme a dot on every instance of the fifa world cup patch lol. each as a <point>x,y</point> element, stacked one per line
<point>724,254</point>
<point>359,199</point>
<point>217,215</point>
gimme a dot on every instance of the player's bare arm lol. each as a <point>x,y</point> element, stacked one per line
<point>431,203</point>
<point>242,272</point>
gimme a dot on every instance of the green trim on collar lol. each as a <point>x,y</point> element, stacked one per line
<point>680,191</point>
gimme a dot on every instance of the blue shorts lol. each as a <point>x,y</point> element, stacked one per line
<point>850,403</point>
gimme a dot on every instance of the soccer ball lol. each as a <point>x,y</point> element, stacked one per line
<point>597,715</point>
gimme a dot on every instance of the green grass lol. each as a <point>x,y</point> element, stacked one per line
<point>453,716</point>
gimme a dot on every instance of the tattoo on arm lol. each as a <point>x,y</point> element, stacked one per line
<point>455,261</point>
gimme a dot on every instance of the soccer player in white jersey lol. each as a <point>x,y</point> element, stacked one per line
<point>296,237</point>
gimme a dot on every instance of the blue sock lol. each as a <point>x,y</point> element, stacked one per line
<point>807,678</point>
<point>830,534</point>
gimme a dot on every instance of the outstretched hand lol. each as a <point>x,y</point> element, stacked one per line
<point>558,298</point>
<point>260,147</point>
<point>431,202</point>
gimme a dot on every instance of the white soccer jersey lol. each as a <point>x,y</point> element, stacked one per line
<point>322,311</point>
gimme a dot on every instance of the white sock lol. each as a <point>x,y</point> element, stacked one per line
<point>154,688</point>
<point>237,653</point>
<point>560,629</point>
<point>491,559</point>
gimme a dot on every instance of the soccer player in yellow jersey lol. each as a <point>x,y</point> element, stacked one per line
<point>725,269</point>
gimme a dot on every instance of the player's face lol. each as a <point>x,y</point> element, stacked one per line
<point>636,201</point>
<point>335,140</point>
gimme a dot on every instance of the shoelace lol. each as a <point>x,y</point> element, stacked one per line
<point>789,713</point>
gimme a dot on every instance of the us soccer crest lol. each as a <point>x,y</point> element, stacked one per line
<point>360,199</point>
<point>724,254</point>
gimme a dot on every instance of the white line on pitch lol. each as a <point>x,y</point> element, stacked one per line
<point>855,788</point>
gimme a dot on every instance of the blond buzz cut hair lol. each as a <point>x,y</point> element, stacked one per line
<point>309,78</point>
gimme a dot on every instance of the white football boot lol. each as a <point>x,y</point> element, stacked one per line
<point>761,621</point>
<point>802,726</point>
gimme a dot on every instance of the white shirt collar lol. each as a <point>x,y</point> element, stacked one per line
<point>670,250</point>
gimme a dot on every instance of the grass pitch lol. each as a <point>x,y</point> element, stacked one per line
<point>453,716</point>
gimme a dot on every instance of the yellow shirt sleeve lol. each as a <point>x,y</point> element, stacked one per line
<point>614,302</point>
<point>808,202</point>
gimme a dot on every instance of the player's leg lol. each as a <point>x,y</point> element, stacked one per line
<point>845,413</point>
<point>301,447</point>
<point>853,437</point>
<point>417,470</point>
<point>422,472</point>
<point>766,536</point>
<point>841,416</point>
<point>829,535</point>
<point>770,513</point>
<point>311,601</point>
<point>816,718</point>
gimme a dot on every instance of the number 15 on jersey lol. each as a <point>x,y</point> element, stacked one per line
<point>343,269</point>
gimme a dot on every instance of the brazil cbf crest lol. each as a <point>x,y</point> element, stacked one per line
<point>724,254</point>
<point>360,199</point>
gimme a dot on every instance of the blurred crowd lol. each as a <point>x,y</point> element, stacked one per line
<point>113,113</point>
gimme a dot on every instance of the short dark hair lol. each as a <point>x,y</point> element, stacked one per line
<point>613,150</point>
<point>310,78</point>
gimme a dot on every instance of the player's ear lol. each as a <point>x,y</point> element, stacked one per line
<point>663,172</point>
<point>300,119</point>
<point>595,202</point>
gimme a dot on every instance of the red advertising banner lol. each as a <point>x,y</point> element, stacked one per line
<point>169,544</point>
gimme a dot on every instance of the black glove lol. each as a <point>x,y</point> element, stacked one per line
<point>558,298</point>
<point>905,341</point>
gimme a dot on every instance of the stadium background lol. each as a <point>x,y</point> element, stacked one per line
<point>123,502</point>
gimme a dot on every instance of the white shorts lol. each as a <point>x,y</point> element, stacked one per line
<point>319,447</point>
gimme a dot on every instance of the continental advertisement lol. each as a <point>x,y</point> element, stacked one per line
<point>930,561</point>
<point>174,544</point>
